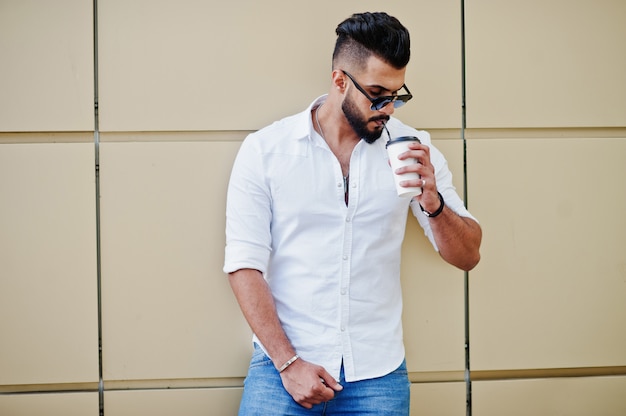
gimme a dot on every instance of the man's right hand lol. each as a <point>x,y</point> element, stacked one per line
<point>309,384</point>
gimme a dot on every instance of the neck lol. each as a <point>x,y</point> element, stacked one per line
<point>331,124</point>
<point>339,141</point>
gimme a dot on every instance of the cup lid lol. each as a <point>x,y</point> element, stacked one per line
<point>402,139</point>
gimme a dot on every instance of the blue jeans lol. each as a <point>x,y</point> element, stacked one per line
<point>264,394</point>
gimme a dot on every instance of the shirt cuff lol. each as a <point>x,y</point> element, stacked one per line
<point>238,256</point>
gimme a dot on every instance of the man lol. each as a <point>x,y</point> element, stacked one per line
<point>314,234</point>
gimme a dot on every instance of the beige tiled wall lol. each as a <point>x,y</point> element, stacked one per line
<point>46,74</point>
<point>65,404</point>
<point>48,290</point>
<point>191,402</point>
<point>179,87</point>
<point>546,145</point>
<point>433,294</point>
<point>552,396</point>
<point>545,64</point>
<point>193,65</point>
<point>167,308</point>
<point>437,399</point>
<point>546,112</point>
<point>566,271</point>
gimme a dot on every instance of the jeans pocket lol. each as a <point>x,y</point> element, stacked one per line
<point>259,358</point>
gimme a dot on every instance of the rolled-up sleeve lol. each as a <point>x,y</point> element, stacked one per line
<point>248,212</point>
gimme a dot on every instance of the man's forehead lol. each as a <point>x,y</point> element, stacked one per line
<point>384,80</point>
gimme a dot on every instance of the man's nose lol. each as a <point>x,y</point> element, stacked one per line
<point>388,109</point>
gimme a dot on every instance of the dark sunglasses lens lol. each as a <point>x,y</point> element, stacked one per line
<point>398,101</point>
<point>380,103</point>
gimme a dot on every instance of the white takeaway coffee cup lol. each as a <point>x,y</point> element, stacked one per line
<point>396,147</point>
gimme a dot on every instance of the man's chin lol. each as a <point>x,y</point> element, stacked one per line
<point>374,135</point>
<point>371,138</point>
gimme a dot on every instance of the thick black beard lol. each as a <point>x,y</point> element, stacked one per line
<point>358,124</point>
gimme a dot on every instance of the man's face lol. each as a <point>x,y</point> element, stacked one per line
<point>377,80</point>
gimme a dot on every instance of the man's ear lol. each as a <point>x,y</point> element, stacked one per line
<point>339,80</point>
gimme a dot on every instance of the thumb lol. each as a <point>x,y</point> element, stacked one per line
<point>330,381</point>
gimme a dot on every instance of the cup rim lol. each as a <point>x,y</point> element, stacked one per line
<point>402,139</point>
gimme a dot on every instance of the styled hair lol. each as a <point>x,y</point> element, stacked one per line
<point>365,34</point>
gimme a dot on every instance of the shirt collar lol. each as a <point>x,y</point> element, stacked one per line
<point>304,127</point>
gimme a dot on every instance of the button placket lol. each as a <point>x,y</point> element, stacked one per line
<point>344,288</point>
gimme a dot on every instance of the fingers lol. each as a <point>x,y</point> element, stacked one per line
<point>322,391</point>
<point>319,393</point>
<point>309,384</point>
<point>418,151</point>
<point>423,167</point>
<point>330,381</point>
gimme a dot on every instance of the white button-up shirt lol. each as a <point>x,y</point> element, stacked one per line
<point>334,270</point>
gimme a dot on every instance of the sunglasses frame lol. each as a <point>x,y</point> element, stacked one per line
<point>379,103</point>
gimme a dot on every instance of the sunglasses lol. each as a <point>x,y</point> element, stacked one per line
<point>379,103</point>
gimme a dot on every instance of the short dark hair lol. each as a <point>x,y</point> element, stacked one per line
<point>365,34</point>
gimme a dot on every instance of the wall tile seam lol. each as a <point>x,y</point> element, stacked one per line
<point>546,373</point>
<point>545,133</point>
<point>27,389</point>
<point>237,382</point>
<point>236,136</point>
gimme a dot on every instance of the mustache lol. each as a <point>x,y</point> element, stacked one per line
<point>383,118</point>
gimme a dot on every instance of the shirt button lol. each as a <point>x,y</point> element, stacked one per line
<point>345,257</point>
<point>343,291</point>
<point>348,219</point>
<point>339,184</point>
<point>343,328</point>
